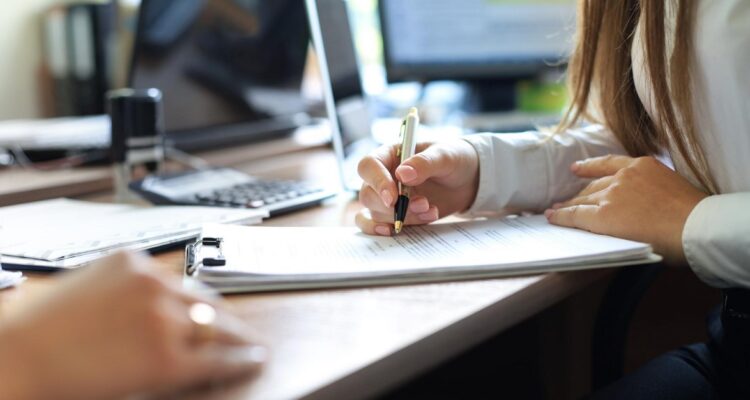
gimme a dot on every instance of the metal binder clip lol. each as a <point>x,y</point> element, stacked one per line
<point>217,261</point>
<point>191,253</point>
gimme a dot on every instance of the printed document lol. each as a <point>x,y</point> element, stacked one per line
<point>521,243</point>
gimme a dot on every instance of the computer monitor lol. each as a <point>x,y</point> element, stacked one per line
<point>229,70</point>
<point>486,41</point>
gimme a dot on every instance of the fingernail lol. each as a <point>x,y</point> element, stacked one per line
<point>407,173</point>
<point>382,230</point>
<point>548,213</point>
<point>428,216</point>
<point>419,206</point>
<point>385,195</point>
<point>575,166</point>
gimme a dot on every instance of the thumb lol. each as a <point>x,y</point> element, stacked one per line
<point>433,162</point>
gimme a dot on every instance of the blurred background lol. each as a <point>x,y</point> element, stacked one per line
<point>26,50</point>
<point>33,69</point>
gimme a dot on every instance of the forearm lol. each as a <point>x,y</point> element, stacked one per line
<point>529,171</point>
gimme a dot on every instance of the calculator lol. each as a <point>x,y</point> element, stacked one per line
<point>226,187</point>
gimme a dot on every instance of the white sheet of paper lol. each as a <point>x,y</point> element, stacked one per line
<point>55,230</point>
<point>517,241</point>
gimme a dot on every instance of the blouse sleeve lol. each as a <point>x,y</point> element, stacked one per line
<point>529,171</point>
<point>716,240</point>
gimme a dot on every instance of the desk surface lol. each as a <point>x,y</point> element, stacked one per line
<point>358,342</point>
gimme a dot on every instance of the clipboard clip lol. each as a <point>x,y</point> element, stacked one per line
<point>192,264</point>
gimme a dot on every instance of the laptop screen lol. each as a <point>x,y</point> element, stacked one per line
<point>226,68</point>
<point>334,44</point>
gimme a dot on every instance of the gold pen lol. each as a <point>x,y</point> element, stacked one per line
<point>405,151</point>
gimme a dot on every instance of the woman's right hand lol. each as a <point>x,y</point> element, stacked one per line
<point>444,177</point>
<point>118,328</point>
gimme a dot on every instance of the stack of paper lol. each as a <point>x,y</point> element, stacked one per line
<point>66,233</point>
<point>259,258</point>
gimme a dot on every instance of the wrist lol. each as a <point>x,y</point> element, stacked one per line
<point>471,166</point>
<point>677,256</point>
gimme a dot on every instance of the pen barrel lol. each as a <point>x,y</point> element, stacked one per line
<point>402,204</point>
<point>408,138</point>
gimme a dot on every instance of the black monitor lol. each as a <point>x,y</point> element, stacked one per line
<point>489,42</point>
<point>229,70</point>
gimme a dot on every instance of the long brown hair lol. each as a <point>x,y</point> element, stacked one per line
<point>601,79</point>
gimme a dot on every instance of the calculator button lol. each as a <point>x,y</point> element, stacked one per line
<point>255,204</point>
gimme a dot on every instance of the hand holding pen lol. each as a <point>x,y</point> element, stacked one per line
<point>441,179</point>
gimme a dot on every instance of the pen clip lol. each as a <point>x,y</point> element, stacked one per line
<point>401,133</point>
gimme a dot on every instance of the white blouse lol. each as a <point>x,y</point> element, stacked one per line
<point>523,171</point>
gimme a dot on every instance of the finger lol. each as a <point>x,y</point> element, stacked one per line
<point>224,327</point>
<point>372,200</point>
<point>381,224</point>
<point>140,264</point>
<point>365,223</point>
<point>580,216</point>
<point>433,162</point>
<point>418,204</point>
<point>431,215</point>
<point>596,185</point>
<point>589,200</point>
<point>600,166</point>
<point>211,364</point>
<point>201,294</point>
<point>375,171</point>
<point>230,330</point>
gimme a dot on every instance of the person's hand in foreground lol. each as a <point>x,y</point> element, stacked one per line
<point>444,177</point>
<point>632,198</point>
<point>118,328</point>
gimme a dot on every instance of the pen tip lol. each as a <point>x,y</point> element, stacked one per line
<point>397,226</point>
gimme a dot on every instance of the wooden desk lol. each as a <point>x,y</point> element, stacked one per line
<point>357,343</point>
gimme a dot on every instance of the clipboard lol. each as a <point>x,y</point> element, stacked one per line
<point>225,258</point>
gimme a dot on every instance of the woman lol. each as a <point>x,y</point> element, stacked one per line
<point>655,148</point>
<point>117,329</point>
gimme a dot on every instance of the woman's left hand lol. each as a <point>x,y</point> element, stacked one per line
<point>632,198</point>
